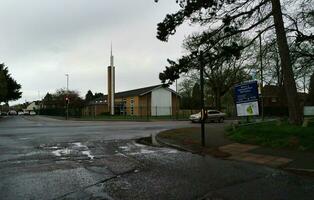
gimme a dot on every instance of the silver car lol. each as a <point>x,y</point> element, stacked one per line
<point>212,115</point>
<point>12,112</point>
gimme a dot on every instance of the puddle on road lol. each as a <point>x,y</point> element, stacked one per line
<point>79,145</point>
<point>141,149</point>
<point>68,149</point>
<point>88,154</point>
<point>79,150</point>
<point>85,149</point>
<point>61,152</point>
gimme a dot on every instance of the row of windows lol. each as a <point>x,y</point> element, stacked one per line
<point>131,104</point>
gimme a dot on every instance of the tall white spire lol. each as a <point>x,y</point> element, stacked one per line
<point>111,56</point>
<point>111,83</point>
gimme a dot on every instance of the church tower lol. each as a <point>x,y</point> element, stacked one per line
<point>111,84</point>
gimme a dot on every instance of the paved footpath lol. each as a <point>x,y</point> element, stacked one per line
<point>242,152</point>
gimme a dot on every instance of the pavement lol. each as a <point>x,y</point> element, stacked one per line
<point>242,152</point>
<point>43,158</point>
<point>296,161</point>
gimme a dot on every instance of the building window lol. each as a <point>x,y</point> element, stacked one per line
<point>132,105</point>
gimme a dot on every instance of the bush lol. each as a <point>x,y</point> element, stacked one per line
<point>276,111</point>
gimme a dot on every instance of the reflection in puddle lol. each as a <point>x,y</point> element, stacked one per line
<point>61,152</point>
<point>73,148</point>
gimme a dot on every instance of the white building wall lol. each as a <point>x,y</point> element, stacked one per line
<point>32,107</point>
<point>161,102</point>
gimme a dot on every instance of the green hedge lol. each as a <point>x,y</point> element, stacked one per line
<point>276,111</point>
<point>73,112</point>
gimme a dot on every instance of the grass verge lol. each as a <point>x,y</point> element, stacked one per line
<point>275,135</point>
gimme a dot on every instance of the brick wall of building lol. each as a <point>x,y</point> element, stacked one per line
<point>145,105</point>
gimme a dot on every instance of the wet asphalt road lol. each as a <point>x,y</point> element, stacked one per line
<point>42,158</point>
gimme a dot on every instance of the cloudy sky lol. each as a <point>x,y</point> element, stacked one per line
<point>42,40</point>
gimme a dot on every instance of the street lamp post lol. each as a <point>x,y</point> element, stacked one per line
<point>67,98</point>
<point>203,113</point>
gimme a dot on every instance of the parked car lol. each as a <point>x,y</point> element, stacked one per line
<point>12,112</point>
<point>26,113</point>
<point>20,113</point>
<point>32,113</point>
<point>212,115</point>
<point>3,114</point>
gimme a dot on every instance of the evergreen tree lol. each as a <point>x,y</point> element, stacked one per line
<point>89,96</point>
<point>98,95</point>
<point>3,87</point>
<point>9,89</point>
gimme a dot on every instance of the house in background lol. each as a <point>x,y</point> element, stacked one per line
<point>149,101</point>
<point>275,100</point>
<point>34,106</point>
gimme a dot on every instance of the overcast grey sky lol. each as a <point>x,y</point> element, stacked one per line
<point>42,40</point>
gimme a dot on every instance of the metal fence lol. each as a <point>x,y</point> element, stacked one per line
<point>99,112</point>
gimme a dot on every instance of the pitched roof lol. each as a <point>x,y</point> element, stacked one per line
<point>132,93</point>
<point>136,92</point>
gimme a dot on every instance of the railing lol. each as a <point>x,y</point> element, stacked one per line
<point>140,113</point>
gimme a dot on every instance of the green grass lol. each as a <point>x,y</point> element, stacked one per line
<point>275,135</point>
<point>186,136</point>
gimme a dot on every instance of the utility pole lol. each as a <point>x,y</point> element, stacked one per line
<point>203,113</point>
<point>67,98</point>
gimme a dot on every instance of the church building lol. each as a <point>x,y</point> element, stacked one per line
<point>154,100</point>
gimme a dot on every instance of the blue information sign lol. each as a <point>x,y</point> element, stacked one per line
<point>246,92</point>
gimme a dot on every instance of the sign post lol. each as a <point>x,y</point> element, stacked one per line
<point>246,99</point>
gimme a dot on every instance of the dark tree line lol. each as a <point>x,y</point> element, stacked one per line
<point>55,104</point>
<point>9,88</point>
<point>58,99</point>
<point>90,96</point>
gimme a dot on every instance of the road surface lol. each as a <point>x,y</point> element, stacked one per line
<point>42,158</point>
